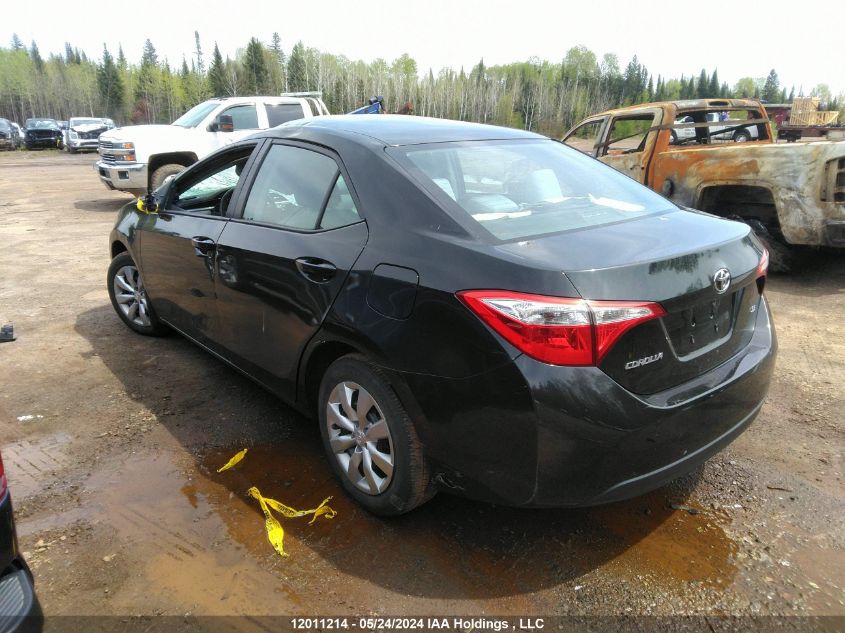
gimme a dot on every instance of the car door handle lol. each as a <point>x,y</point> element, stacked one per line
<point>317,270</point>
<point>203,246</point>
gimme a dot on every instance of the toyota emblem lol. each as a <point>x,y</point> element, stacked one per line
<point>722,280</point>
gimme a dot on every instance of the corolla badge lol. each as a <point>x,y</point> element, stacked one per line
<point>722,280</point>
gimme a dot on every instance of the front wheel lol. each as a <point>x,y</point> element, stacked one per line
<point>160,174</point>
<point>370,441</point>
<point>129,297</point>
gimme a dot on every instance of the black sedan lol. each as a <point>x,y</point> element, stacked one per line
<point>461,307</point>
<point>43,133</point>
<point>20,611</point>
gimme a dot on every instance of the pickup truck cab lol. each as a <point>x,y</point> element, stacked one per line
<point>790,194</point>
<point>138,158</point>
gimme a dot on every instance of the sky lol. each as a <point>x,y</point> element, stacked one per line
<point>738,39</point>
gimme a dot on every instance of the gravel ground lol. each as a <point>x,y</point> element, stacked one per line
<point>111,443</point>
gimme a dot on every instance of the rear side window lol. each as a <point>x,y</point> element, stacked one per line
<point>517,189</point>
<point>291,188</point>
<point>278,113</point>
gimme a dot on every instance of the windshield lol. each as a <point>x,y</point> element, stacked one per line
<point>42,124</point>
<point>517,189</point>
<point>81,121</point>
<point>195,115</point>
<point>4,124</point>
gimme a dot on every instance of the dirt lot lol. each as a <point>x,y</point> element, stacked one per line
<point>112,440</point>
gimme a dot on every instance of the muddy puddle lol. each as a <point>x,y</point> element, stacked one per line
<point>200,538</point>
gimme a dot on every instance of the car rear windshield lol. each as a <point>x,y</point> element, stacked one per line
<point>519,189</point>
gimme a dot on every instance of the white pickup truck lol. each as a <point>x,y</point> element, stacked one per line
<point>138,158</point>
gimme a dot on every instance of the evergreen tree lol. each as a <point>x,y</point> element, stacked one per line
<point>791,95</point>
<point>703,86</point>
<point>35,56</point>
<point>256,77</point>
<point>17,44</point>
<point>121,59</point>
<point>297,71</point>
<point>200,67</point>
<point>713,87</point>
<point>217,74</point>
<point>110,86</point>
<point>278,68</point>
<point>771,89</point>
<point>70,57</point>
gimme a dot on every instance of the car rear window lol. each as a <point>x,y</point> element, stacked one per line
<point>518,189</point>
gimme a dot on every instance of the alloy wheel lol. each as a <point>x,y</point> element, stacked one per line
<point>131,297</point>
<point>360,437</point>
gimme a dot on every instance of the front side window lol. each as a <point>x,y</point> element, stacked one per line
<point>244,117</point>
<point>209,191</point>
<point>585,138</point>
<point>291,188</point>
<point>517,189</point>
<point>278,113</point>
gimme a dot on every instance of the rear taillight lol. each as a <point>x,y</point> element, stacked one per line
<point>762,270</point>
<point>3,484</point>
<point>556,330</point>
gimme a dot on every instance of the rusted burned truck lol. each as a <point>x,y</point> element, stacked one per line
<point>717,155</point>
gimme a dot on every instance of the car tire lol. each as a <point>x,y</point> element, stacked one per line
<point>673,137</point>
<point>128,297</point>
<point>160,174</point>
<point>742,136</point>
<point>359,452</point>
<point>70,150</point>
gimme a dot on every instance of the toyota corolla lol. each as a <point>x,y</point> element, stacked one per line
<point>460,307</point>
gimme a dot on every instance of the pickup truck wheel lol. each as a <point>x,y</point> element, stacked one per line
<point>781,256</point>
<point>742,136</point>
<point>163,172</point>
<point>370,440</point>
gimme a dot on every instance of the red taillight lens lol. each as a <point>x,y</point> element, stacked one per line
<point>3,484</point>
<point>556,330</point>
<point>762,270</point>
<point>763,266</point>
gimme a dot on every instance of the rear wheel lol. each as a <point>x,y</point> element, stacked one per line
<point>129,297</point>
<point>742,136</point>
<point>369,439</point>
<point>161,173</point>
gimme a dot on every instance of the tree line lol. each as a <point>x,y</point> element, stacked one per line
<point>547,97</point>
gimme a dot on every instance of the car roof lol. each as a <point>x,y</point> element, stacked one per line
<point>399,129</point>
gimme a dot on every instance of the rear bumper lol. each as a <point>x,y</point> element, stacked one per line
<point>124,177</point>
<point>531,434</point>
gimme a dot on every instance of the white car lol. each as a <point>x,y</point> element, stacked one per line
<point>138,158</point>
<point>724,132</point>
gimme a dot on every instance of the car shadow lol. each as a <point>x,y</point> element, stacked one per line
<point>814,273</point>
<point>448,548</point>
<point>110,205</point>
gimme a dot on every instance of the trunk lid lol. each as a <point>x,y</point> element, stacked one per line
<point>670,259</point>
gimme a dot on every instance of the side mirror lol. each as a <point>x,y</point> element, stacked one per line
<point>223,123</point>
<point>147,204</point>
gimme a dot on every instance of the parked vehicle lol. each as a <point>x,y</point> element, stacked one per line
<point>685,129</point>
<point>42,133</point>
<point>83,132</point>
<point>461,306</point>
<point>139,157</point>
<point>19,132</point>
<point>20,611</point>
<point>8,135</point>
<point>790,194</point>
